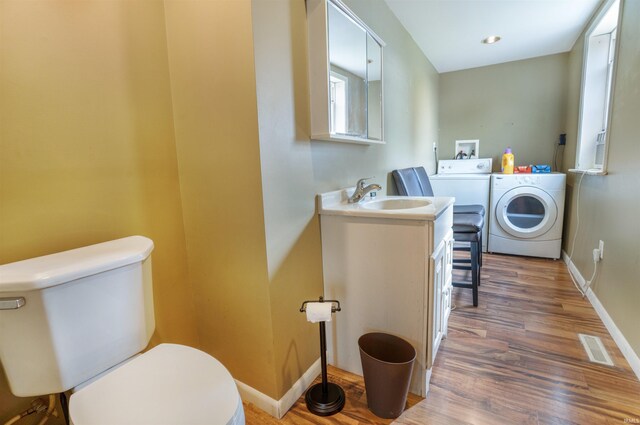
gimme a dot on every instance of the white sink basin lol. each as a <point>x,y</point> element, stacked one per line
<point>396,204</point>
<point>388,207</point>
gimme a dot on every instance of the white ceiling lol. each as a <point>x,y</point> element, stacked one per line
<point>449,31</point>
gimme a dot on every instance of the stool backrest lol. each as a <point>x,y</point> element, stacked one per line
<point>423,178</point>
<point>412,182</point>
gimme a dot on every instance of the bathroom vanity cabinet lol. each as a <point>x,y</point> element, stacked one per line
<point>391,271</point>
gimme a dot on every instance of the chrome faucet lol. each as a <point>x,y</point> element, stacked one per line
<point>362,190</point>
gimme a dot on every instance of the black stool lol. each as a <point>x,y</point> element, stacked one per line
<point>468,221</point>
<point>423,179</point>
<point>468,228</point>
<point>470,209</point>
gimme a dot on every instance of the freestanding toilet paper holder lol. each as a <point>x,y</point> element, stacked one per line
<point>325,398</point>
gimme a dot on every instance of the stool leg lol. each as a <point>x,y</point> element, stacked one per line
<point>480,251</point>
<point>480,263</point>
<point>479,255</point>
<point>474,272</point>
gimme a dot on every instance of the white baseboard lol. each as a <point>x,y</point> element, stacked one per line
<point>298,388</point>
<point>278,408</point>
<point>574,270</point>
<point>618,337</point>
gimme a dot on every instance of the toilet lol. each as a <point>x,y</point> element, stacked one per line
<point>78,320</point>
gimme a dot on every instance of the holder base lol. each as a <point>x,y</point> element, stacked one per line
<point>325,404</point>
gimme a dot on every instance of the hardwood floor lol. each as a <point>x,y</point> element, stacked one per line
<point>515,359</point>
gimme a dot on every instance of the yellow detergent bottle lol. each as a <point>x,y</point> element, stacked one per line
<point>507,161</point>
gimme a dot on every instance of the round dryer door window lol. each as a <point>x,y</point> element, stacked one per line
<point>526,212</point>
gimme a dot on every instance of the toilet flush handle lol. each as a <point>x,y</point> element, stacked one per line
<point>11,303</point>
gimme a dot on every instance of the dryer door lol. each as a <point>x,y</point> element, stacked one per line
<point>526,212</point>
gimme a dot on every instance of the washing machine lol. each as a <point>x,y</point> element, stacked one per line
<point>467,180</point>
<point>526,214</point>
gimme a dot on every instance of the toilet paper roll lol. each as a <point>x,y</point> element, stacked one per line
<point>318,312</point>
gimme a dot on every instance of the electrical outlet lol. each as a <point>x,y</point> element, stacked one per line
<point>601,249</point>
<point>596,255</point>
<point>435,146</point>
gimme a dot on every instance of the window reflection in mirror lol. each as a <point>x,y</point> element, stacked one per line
<point>338,84</point>
<point>355,78</point>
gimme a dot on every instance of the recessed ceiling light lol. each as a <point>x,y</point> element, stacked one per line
<point>491,39</point>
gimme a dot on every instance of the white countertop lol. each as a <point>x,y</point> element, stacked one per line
<point>335,203</point>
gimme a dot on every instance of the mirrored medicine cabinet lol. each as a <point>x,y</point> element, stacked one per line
<point>345,75</point>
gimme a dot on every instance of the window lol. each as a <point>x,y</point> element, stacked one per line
<point>597,86</point>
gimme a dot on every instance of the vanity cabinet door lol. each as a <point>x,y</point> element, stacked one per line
<point>448,240</point>
<point>448,286</point>
<point>439,267</point>
<point>442,265</point>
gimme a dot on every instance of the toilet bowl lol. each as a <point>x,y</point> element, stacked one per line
<point>169,384</point>
<point>76,320</point>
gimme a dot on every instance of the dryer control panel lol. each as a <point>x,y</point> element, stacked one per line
<point>551,181</point>
<point>517,179</point>
<point>465,166</point>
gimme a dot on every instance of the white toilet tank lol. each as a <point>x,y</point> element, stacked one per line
<point>67,317</point>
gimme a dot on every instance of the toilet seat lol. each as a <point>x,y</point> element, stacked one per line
<point>169,384</point>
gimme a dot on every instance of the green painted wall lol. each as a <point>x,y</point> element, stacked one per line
<point>609,204</point>
<point>295,169</point>
<point>87,150</point>
<point>519,104</point>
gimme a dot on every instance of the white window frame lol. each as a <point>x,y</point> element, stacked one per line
<point>587,142</point>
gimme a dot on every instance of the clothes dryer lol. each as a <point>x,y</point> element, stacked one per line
<point>527,214</point>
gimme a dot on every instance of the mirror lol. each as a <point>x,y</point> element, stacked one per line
<point>348,74</point>
<point>374,88</point>
<point>351,107</point>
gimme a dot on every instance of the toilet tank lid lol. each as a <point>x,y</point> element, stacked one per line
<point>55,269</point>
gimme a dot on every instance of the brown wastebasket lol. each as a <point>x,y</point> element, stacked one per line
<point>387,363</point>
